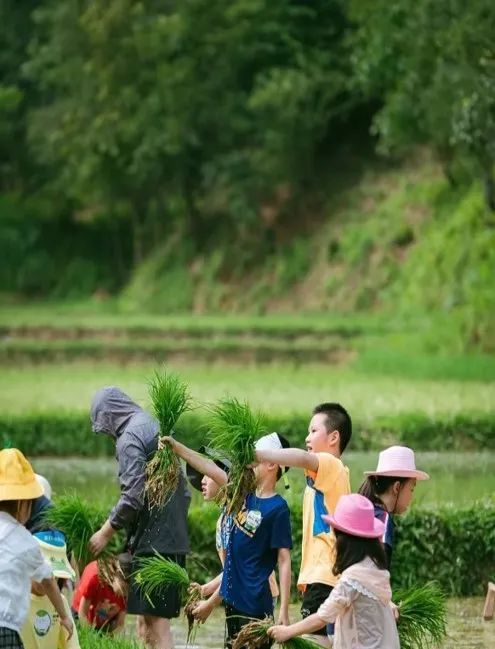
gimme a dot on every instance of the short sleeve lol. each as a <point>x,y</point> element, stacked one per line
<point>329,470</point>
<point>38,568</point>
<point>281,534</point>
<point>339,599</point>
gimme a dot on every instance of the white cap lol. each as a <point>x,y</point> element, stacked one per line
<point>43,482</point>
<point>269,442</point>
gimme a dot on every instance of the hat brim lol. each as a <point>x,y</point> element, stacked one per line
<point>377,532</point>
<point>195,477</point>
<point>21,492</point>
<point>399,473</point>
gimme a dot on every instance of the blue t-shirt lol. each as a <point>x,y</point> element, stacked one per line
<point>260,529</point>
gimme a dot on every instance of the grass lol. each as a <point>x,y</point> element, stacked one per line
<point>280,388</point>
<point>234,429</point>
<point>169,400</point>
<point>423,615</point>
<point>79,519</point>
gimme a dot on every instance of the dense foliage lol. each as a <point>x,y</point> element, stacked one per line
<point>70,433</point>
<point>159,131</point>
<point>431,544</point>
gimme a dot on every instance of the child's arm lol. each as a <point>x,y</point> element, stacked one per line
<point>211,586</point>
<point>197,461</point>
<point>101,538</point>
<point>282,633</point>
<point>204,608</point>
<point>84,611</point>
<point>51,589</point>
<point>119,622</point>
<point>284,571</point>
<point>290,457</point>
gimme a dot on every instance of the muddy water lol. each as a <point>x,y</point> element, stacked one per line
<point>466,628</point>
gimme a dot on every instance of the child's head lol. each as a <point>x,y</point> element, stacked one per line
<point>18,485</point>
<point>269,470</point>
<point>329,430</point>
<point>357,532</point>
<point>392,484</point>
<point>208,487</point>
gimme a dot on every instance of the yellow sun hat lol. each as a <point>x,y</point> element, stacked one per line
<point>17,478</point>
<point>54,551</point>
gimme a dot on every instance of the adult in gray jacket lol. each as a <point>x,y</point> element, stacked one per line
<point>148,529</point>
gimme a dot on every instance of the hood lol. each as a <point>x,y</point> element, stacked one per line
<point>111,411</point>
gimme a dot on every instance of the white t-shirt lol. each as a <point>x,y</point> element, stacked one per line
<point>20,562</point>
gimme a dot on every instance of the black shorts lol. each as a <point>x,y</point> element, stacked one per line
<point>313,598</point>
<point>234,622</point>
<point>10,639</point>
<point>166,605</point>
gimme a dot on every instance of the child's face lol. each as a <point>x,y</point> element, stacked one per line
<point>209,488</point>
<point>405,496</point>
<point>319,440</point>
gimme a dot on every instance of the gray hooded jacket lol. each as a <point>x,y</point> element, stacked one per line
<point>136,440</point>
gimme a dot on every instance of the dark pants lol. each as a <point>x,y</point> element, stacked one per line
<point>235,620</point>
<point>313,598</point>
<point>10,639</point>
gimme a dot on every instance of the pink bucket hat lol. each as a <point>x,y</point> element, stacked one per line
<point>355,515</point>
<point>398,462</point>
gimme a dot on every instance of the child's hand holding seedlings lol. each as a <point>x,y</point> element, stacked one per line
<point>203,610</point>
<point>280,633</point>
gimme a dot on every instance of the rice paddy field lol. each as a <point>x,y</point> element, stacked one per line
<point>52,359</point>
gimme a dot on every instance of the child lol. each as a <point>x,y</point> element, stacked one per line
<point>360,602</point>
<point>327,479</point>
<point>390,488</point>
<point>20,556</point>
<point>260,537</point>
<point>98,603</point>
<point>42,629</point>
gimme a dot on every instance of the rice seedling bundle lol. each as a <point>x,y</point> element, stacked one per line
<point>255,634</point>
<point>234,429</point>
<point>79,520</point>
<point>422,616</point>
<point>169,399</point>
<point>156,574</point>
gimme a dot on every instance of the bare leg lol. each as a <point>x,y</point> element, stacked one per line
<point>158,633</point>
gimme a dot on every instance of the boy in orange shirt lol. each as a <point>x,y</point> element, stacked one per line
<point>327,479</point>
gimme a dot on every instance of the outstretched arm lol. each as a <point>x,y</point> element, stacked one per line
<point>197,461</point>
<point>282,633</point>
<point>289,457</point>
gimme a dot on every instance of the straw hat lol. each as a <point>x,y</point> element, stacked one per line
<point>54,551</point>
<point>17,478</point>
<point>398,462</point>
<point>355,515</point>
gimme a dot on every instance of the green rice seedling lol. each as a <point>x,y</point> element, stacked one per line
<point>169,399</point>
<point>90,638</point>
<point>234,429</point>
<point>156,574</point>
<point>255,634</point>
<point>422,616</point>
<point>79,520</point>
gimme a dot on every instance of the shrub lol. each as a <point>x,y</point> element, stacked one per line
<point>69,433</point>
<point>453,546</point>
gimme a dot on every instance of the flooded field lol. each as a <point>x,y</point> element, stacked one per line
<point>466,628</point>
<point>456,477</point>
